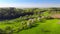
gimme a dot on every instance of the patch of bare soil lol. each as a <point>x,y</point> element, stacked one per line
<point>55,16</point>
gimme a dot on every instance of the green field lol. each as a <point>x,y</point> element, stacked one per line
<point>51,26</point>
<point>30,21</point>
<point>48,27</point>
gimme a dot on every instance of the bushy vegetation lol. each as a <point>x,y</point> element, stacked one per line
<point>15,20</point>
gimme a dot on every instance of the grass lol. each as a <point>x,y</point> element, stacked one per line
<point>14,25</point>
<point>35,21</point>
<point>49,27</point>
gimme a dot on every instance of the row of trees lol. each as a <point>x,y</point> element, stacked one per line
<point>10,13</point>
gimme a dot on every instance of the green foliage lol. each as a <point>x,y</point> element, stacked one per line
<point>24,20</point>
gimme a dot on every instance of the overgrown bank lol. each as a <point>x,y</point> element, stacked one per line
<point>16,20</point>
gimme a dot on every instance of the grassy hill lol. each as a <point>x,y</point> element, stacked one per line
<point>29,21</point>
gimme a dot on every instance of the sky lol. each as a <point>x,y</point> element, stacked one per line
<point>29,3</point>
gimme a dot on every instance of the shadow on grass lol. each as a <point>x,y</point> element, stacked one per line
<point>27,28</point>
<point>43,30</point>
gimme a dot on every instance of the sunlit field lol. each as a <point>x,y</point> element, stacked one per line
<point>30,21</point>
<point>48,27</point>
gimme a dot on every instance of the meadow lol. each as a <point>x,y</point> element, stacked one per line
<point>30,21</point>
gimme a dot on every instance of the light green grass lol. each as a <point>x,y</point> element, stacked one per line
<point>49,27</point>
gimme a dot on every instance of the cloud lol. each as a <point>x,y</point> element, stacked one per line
<point>18,5</point>
<point>22,5</point>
